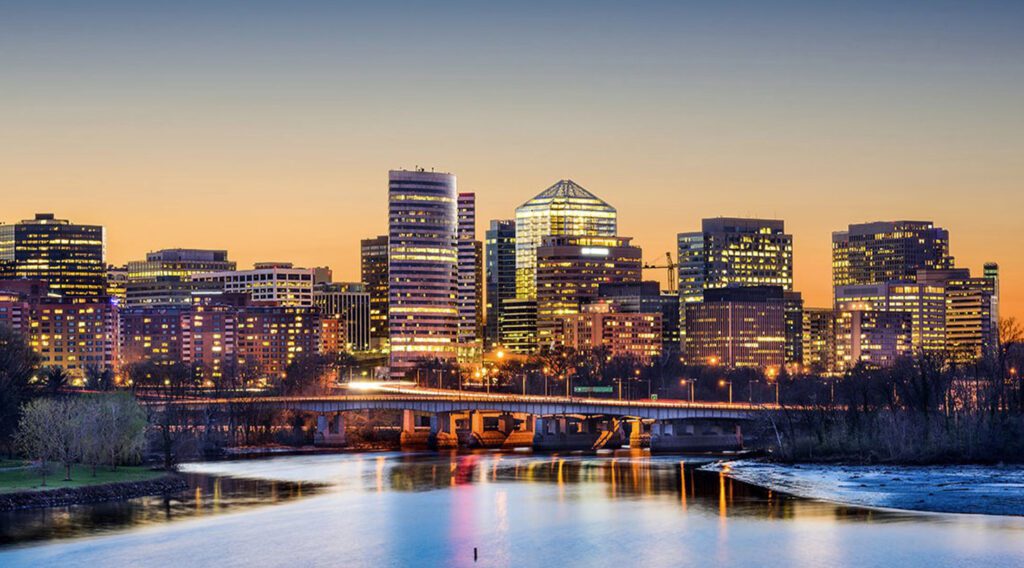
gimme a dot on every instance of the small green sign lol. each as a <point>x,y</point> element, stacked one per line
<point>599,389</point>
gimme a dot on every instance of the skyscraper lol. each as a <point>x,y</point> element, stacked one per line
<point>470,277</point>
<point>374,273</point>
<point>570,271</point>
<point>68,256</point>
<point>737,327</point>
<point>564,209</point>
<point>888,251</point>
<point>500,241</point>
<point>925,302</point>
<point>732,253</point>
<point>738,253</point>
<point>423,263</point>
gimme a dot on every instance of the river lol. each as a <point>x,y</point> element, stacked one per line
<point>396,509</point>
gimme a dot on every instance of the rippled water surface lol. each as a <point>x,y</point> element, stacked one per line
<point>392,509</point>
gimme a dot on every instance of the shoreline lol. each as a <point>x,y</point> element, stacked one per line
<point>170,483</point>
<point>951,489</point>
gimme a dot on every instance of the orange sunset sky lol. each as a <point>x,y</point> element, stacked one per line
<point>269,132</point>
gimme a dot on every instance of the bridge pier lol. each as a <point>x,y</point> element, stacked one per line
<point>568,433</point>
<point>415,433</point>
<point>695,436</point>
<point>638,437</point>
<point>330,430</point>
<point>442,432</point>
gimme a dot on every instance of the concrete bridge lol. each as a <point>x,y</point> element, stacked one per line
<point>448,419</point>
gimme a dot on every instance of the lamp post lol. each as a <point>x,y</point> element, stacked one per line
<point>772,374</point>
<point>722,383</point>
<point>692,383</point>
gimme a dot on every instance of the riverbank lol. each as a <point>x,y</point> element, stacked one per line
<point>21,488</point>
<point>972,489</point>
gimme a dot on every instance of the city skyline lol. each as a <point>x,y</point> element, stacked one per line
<point>178,131</point>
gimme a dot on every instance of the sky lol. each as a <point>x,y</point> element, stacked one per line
<point>268,128</point>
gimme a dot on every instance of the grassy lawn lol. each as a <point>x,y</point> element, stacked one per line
<point>7,462</point>
<point>28,479</point>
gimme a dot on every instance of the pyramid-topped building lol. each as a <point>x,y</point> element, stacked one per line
<point>564,209</point>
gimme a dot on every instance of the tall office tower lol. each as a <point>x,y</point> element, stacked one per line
<point>351,303</point>
<point>564,209</point>
<point>500,242</point>
<point>794,327</point>
<point>972,311</point>
<point>423,263</point>
<point>871,338</point>
<point>270,283</point>
<point>925,302</point>
<point>373,268</point>
<point>819,343</point>
<point>517,328</point>
<point>470,279</point>
<point>570,270</point>
<point>67,256</point>
<point>991,271</point>
<point>737,327</point>
<point>180,263</point>
<point>732,253</point>
<point>647,298</point>
<point>888,251</point>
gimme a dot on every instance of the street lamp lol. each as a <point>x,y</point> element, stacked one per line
<point>692,383</point>
<point>722,383</point>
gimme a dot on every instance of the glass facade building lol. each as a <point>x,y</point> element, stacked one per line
<point>888,251</point>
<point>500,243</point>
<point>67,256</point>
<point>423,263</point>
<point>564,209</point>
<point>349,303</point>
<point>373,267</point>
<point>570,271</point>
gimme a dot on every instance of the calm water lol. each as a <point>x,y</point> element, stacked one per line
<point>433,510</point>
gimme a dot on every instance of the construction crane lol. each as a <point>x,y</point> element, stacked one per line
<point>670,267</point>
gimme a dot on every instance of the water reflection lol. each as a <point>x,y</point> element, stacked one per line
<point>634,476</point>
<point>569,480</point>
<point>209,495</point>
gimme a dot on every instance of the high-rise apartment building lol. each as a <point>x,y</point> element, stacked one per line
<point>69,257</point>
<point>271,337</point>
<point>374,274</point>
<point>470,279</point>
<point>737,327</point>
<point>270,283</point>
<point>570,271</point>
<point>500,243</point>
<point>564,209</point>
<point>75,335</point>
<point>888,251</point>
<point>351,303</point>
<point>423,263</point>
